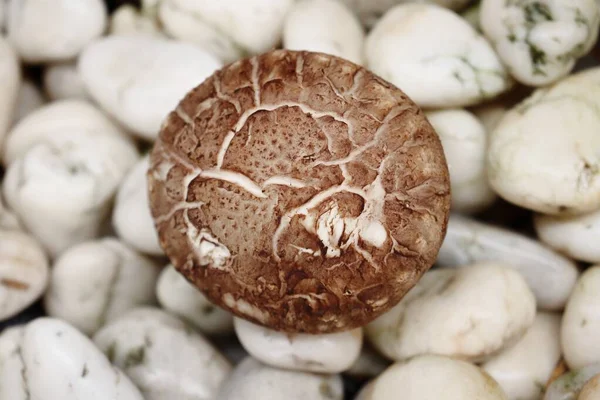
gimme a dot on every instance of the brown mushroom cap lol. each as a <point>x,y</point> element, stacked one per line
<point>299,191</point>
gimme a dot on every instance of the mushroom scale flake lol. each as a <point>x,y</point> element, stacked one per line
<point>299,191</point>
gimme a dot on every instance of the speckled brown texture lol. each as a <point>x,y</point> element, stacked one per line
<point>299,191</point>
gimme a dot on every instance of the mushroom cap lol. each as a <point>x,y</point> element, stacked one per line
<point>299,191</point>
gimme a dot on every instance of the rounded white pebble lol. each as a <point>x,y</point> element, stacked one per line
<point>252,380</point>
<point>581,322</point>
<point>29,99</point>
<point>12,386</point>
<point>435,57</point>
<point>131,216</point>
<point>329,353</point>
<point>469,313</point>
<point>24,272</point>
<point>44,31</point>
<point>591,390</point>
<point>550,275</point>
<point>575,236</point>
<point>162,356</point>
<point>57,122</point>
<point>540,41</point>
<point>110,69</point>
<point>433,377</point>
<point>62,81</point>
<point>545,153</point>
<point>568,386</point>
<point>98,281</point>
<point>228,29</point>
<point>62,192</point>
<point>128,20</point>
<point>178,296</point>
<point>325,26</point>
<point>10,82</point>
<point>523,369</point>
<point>465,143</point>
<point>59,362</point>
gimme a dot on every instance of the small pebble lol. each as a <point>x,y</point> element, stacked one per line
<point>580,332</point>
<point>540,41</point>
<point>98,281</point>
<point>44,31</point>
<point>575,236</point>
<point>52,360</point>
<point>327,353</point>
<point>162,356</point>
<point>325,26</point>
<point>523,369</point>
<point>568,386</point>
<point>62,81</point>
<point>252,380</point>
<point>465,143</point>
<point>29,99</point>
<point>110,69</point>
<point>591,390</point>
<point>550,275</point>
<point>228,29</point>
<point>10,82</point>
<point>24,271</point>
<point>131,216</point>
<point>469,313</point>
<point>179,297</point>
<point>435,57</point>
<point>431,377</point>
<point>129,20</point>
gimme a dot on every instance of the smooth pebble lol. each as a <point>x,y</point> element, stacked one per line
<point>29,99</point>
<point>433,377</point>
<point>252,380</point>
<point>62,81</point>
<point>325,26</point>
<point>464,141</point>
<point>98,281</point>
<point>469,313</point>
<point>10,82</point>
<point>568,386</point>
<point>445,62</point>
<point>580,333</point>
<point>591,390</point>
<point>523,369</point>
<point>110,69</point>
<point>179,297</point>
<point>44,31</point>
<point>328,353</point>
<point>129,20</point>
<point>24,272</point>
<point>162,356</point>
<point>550,275</point>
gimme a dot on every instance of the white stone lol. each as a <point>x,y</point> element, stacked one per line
<point>162,356</point>
<point>545,153</point>
<point>575,236</point>
<point>550,275</point>
<point>10,82</point>
<point>591,390</point>
<point>581,322</point>
<point>469,313</point>
<point>44,31</point>
<point>57,122</point>
<point>252,380</point>
<point>62,192</point>
<point>433,377</point>
<point>325,26</point>
<point>52,360</point>
<point>228,29</point>
<point>568,386</point>
<point>328,353</point>
<point>62,81</point>
<point>131,216</point>
<point>179,297</point>
<point>140,79</point>
<point>369,364</point>
<point>435,57</point>
<point>98,281</point>
<point>24,272</point>
<point>464,141</point>
<point>128,20</point>
<point>540,41</point>
<point>29,99</point>
<point>523,369</point>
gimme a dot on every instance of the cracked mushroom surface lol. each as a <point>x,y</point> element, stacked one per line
<point>299,191</point>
